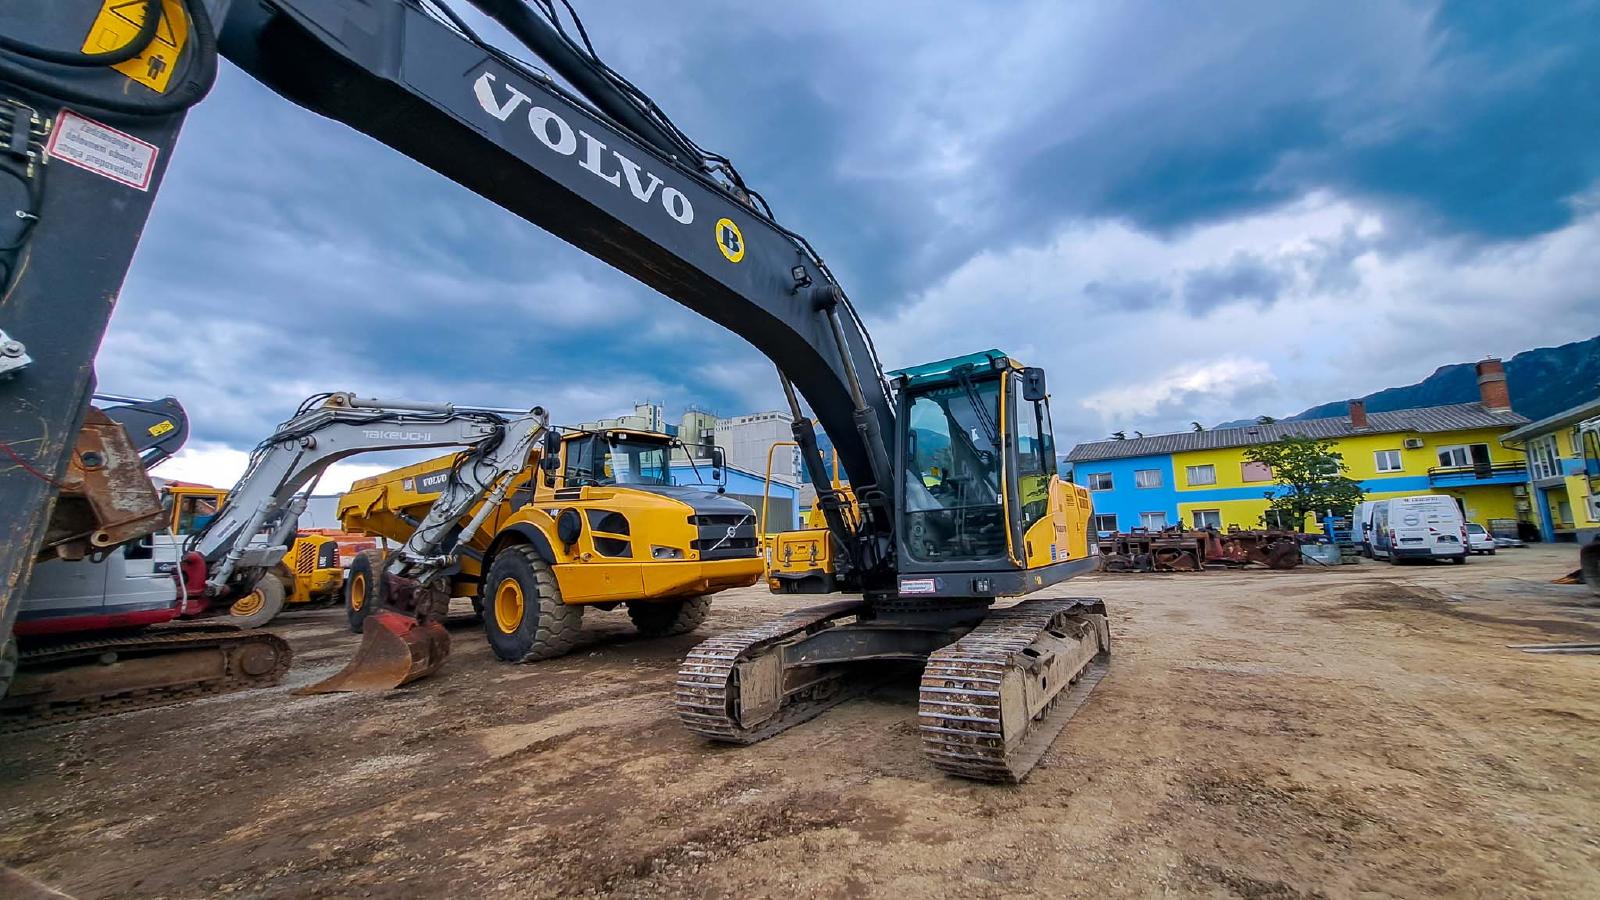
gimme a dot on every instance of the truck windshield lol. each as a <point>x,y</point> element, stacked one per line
<point>953,507</point>
<point>602,459</point>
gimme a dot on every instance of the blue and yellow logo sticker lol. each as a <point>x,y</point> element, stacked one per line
<point>730,240</point>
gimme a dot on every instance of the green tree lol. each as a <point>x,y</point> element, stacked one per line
<point>1311,478</point>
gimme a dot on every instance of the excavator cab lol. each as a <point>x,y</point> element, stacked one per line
<point>983,512</point>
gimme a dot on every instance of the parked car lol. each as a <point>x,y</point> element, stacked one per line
<point>1479,540</point>
<point>1508,540</point>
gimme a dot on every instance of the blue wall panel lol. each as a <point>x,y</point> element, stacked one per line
<point>1124,500</point>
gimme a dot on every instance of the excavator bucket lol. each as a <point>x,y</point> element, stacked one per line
<point>395,649</point>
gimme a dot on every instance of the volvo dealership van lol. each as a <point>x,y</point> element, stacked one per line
<point>1427,526</point>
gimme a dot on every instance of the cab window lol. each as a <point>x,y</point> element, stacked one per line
<point>953,487</point>
<point>195,513</point>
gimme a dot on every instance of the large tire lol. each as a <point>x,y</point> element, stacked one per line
<point>1459,560</point>
<point>260,606</point>
<point>1589,565</point>
<point>363,587</point>
<point>523,616</point>
<point>668,617</point>
<point>8,665</point>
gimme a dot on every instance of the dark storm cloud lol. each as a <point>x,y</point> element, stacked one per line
<point>1129,296</point>
<point>1481,126</point>
<point>1244,278</point>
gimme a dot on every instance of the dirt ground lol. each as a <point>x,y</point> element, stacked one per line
<point>1358,731</point>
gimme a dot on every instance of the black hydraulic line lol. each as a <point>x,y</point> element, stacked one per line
<point>134,47</point>
<point>805,435</point>
<point>866,421</point>
<point>199,74</point>
<point>553,48</point>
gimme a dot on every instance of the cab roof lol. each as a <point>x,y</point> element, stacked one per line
<point>941,370</point>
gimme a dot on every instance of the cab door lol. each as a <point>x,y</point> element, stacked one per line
<point>1052,519</point>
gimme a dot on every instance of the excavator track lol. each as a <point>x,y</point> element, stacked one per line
<point>707,695</point>
<point>86,679</point>
<point>994,701</point>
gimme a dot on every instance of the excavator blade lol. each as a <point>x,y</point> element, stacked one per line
<point>395,649</point>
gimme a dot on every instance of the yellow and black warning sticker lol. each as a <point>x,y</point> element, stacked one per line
<point>161,427</point>
<point>118,24</point>
<point>730,240</point>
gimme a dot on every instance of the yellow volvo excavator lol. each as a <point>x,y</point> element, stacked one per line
<point>600,523</point>
<point>952,465</point>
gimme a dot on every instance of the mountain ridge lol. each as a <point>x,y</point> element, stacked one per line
<point>1543,381</point>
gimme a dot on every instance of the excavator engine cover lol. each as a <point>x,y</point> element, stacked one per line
<point>395,649</point>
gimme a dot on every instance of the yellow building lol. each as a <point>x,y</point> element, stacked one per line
<point>1202,479</point>
<point>1563,460</point>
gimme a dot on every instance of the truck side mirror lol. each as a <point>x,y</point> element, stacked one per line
<point>1033,384</point>
<point>719,461</point>
<point>550,457</point>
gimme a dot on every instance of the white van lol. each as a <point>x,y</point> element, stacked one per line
<point>1361,526</point>
<point>1426,526</point>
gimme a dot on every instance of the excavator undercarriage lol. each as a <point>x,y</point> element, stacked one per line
<point>997,685</point>
<point>81,679</point>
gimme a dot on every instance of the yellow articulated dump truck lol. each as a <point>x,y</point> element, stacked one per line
<point>598,523</point>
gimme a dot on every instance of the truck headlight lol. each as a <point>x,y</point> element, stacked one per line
<point>658,552</point>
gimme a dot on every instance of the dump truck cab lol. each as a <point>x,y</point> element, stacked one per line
<point>594,520</point>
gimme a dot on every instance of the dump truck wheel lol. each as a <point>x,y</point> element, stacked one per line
<point>1589,564</point>
<point>363,586</point>
<point>669,617</point>
<point>523,616</point>
<point>8,665</point>
<point>260,606</point>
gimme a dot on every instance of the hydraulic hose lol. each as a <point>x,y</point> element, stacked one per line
<point>141,40</point>
<point>199,75</point>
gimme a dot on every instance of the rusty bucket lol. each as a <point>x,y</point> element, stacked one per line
<point>395,649</point>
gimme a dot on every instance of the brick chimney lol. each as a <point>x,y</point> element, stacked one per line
<point>1358,415</point>
<point>1492,385</point>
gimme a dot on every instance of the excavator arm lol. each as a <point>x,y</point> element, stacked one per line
<point>634,197</point>
<point>286,466</point>
<point>602,172</point>
<point>600,166</point>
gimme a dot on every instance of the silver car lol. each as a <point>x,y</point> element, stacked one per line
<point>1479,540</point>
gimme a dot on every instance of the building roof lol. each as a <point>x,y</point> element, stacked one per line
<point>1423,420</point>
<point>1561,419</point>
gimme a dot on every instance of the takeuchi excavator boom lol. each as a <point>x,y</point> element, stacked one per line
<point>951,464</point>
<point>227,558</point>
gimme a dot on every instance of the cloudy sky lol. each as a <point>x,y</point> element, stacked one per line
<point>1183,211</point>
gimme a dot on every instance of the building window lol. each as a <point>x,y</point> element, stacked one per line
<point>1106,522</point>
<point>1147,478</point>
<point>1153,521</point>
<point>1387,460</point>
<point>1207,518</point>
<point>1099,481</point>
<point>1464,455</point>
<point>1206,474</point>
<point>1252,472</point>
<point>1543,460</point>
<point>1274,518</point>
